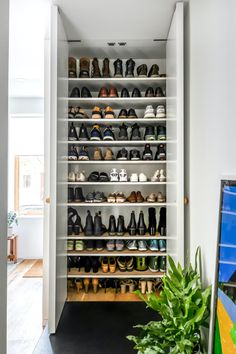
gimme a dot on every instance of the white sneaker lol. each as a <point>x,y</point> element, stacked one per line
<point>142,177</point>
<point>114,176</point>
<point>156,176</point>
<point>71,176</point>
<point>161,111</point>
<point>149,112</point>
<point>162,176</point>
<point>123,175</point>
<point>134,177</point>
<point>80,177</point>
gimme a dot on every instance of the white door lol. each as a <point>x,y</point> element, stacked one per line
<point>175,132</point>
<point>55,170</point>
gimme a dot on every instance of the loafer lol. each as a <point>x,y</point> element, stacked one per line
<point>132,113</point>
<point>140,198</point>
<point>103,92</point>
<point>136,92</point>
<point>159,92</point>
<point>113,92</point>
<point>75,92</point>
<point>123,113</point>
<point>149,92</point>
<point>132,198</point>
<point>124,93</point>
<point>85,93</point>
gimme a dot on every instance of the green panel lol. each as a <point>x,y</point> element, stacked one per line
<point>217,343</point>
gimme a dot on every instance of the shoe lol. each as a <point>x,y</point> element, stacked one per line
<point>75,93</point>
<point>80,113</point>
<point>132,225</point>
<point>161,111</point>
<point>108,155</point>
<point>149,112</point>
<point>114,176</point>
<point>77,227</point>
<point>72,73</point>
<point>104,264</point>
<point>140,198</point>
<point>124,93</point>
<point>132,245</point>
<point>113,92</point>
<point>112,264</point>
<point>79,245</point>
<point>94,176</point>
<point>147,153</point>
<point>90,197</point>
<point>120,198</point>
<point>153,264</point>
<point>120,245</point>
<point>149,133</point>
<point>130,64</point>
<point>112,226</point>
<point>99,197</point>
<point>85,93</point>
<point>156,176</point>
<point>149,92</point>
<point>129,264</point>
<point>159,92</point>
<point>120,225</point>
<point>111,198</point>
<point>153,245</point>
<point>142,70</point>
<point>96,113</point>
<point>84,64</point>
<point>162,176</point>
<point>135,133</point>
<point>161,197</point>
<point>98,231</point>
<point>162,222</point>
<point>123,135</point>
<point>95,284</point>
<point>70,245</point>
<point>162,245</point>
<point>87,267</point>
<point>106,69</point>
<point>79,198</point>
<point>72,153</point>
<point>132,113</point>
<point>134,177</point>
<point>161,153</point>
<point>162,263</point>
<point>141,227</point>
<point>142,286</point>
<point>72,136</point>
<point>83,133</point>
<point>71,112</point>
<point>71,176</point>
<point>70,195</point>
<point>123,113</point>
<point>123,177</point>
<point>142,177</point>
<point>121,262</point>
<point>118,68</point>
<point>132,198</point>
<point>103,92</point>
<point>152,222</point>
<point>161,133</point>
<point>96,134</point>
<point>122,155</point>
<point>154,71</point>
<point>134,155</point>
<point>97,155</point>
<point>141,264</point>
<point>110,245</point>
<point>95,69</point>
<point>108,134</point>
<point>109,113</point>
<point>80,177</point>
<point>151,198</point>
<point>83,154</point>
<point>136,92</point>
<point>103,177</point>
<point>88,229</point>
<point>142,245</point>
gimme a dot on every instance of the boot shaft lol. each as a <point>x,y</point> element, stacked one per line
<point>141,224</point>
<point>121,225</point>
<point>97,225</point>
<point>95,68</point>
<point>88,229</point>
<point>106,68</point>
<point>112,225</point>
<point>130,64</point>
<point>72,136</point>
<point>118,68</point>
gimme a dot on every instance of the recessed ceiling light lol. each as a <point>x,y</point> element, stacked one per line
<point>111,44</point>
<point>122,43</point>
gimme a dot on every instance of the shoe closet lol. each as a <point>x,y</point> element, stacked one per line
<point>168,54</point>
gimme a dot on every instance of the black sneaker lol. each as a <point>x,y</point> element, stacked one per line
<point>108,134</point>
<point>161,133</point>
<point>135,133</point>
<point>72,136</point>
<point>85,93</point>
<point>124,93</point>
<point>123,135</point>
<point>122,154</point>
<point>132,113</point>
<point>150,133</point>
<point>93,177</point>
<point>75,92</point>
<point>83,133</point>
<point>161,152</point>
<point>99,197</point>
<point>123,113</point>
<point>72,153</point>
<point>134,155</point>
<point>147,153</point>
<point>136,92</point>
<point>104,177</point>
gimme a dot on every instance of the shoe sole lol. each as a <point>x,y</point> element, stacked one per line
<point>83,139</point>
<point>73,139</point>
<point>108,138</point>
<point>149,115</point>
<point>162,249</point>
<point>84,158</point>
<point>109,116</point>
<point>153,270</point>
<point>142,249</point>
<point>150,137</point>
<point>122,159</point>
<point>96,116</point>
<point>122,138</point>
<point>95,139</point>
<point>161,115</point>
<point>161,137</point>
<point>135,159</point>
<point>154,249</point>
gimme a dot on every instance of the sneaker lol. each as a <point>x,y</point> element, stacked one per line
<point>121,261</point>
<point>83,134</point>
<point>151,198</point>
<point>109,113</point>
<point>96,113</point>
<point>161,197</point>
<point>153,264</point>
<point>123,113</point>
<point>142,245</point>
<point>149,112</point>
<point>149,133</point>
<point>72,136</point>
<point>90,245</point>
<point>134,177</point>
<point>142,177</point>
<point>108,154</point>
<point>110,245</point>
<point>120,245</point>
<point>79,245</point>
<point>134,155</point>
<point>147,153</point>
<point>162,263</point>
<point>90,197</point>
<point>161,133</point>
<point>70,245</point>
<point>161,153</point>
<point>161,111</point>
<point>156,176</point>
<point>97,155</point>
<point>123,135</point>
<point>132,113</point>
<point>93,177</point>
<point>83,154</point>
<point>72,153</point>
<point>122,155</point>
<point>111,198</point>
<point>141,264</point>
<point>99,246</point>
<point>123,175</point>
<point>114,176</point>
<point>135,133</point>
<point>108,134</point>
<point>132,245</point>
<point>80,177</point>
<point>162,176</point>
<point>153,245</point>
<point>162,245</point>
<point>96,133</point>
<point>99,197</point>
<point>71,176</point>
<point>103,177</point>
<point>120,197</point>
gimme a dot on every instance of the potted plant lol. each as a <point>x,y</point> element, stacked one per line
<point>184,307</point>
<point>12,218</point>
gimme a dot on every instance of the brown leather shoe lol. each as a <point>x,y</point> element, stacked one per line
<point>103,92</point>
<point>113,92</point>
<point>96,113</point>
<point>109,113</point>
<point>140,198</point>
<point>84,64</point>
<point>97,155</point>
<point>105,69</point>
<point>132,198</point>
<point>95,68</point>
<point>108,155</point>
<point>72,67</point>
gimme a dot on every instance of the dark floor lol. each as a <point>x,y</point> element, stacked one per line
<point>96,328</point>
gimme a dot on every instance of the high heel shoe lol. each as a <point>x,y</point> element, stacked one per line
<point>123,285</point>
<point>95,283</point>
<point>150,286</point>
<point>79,285</point>
<point>142,286</point>
<point>86,284</point>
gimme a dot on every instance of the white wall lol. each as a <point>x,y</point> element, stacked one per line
<point>211,127</point>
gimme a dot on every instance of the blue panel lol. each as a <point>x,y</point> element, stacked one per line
<point>226,272</point>
<point>228,254</point>
<point>228,229</point>
<point>229,199</point>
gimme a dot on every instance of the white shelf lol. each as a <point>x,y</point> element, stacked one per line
<point>117,121</point>
<point>106,253</point>
<point>116,142</point>
<point>106,204</point>
<point>106,238</point>
<point>116,183</point>
<point>117,162</point>
<point>74,273</point>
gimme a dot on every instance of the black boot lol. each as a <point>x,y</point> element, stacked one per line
<point>95,70</point>
<point>162,222</point>
<point>141,224</point>
<point>97,225</point>
<point>112,226</point>
<point>120,225</point>
<point>79,198</point>
<point>132,225</point>
<point>88,230</point>
<point>130,64</point>
<point>95,264</point>
<point>87,264</point>
<point>83,133</point>
<point>118,68</point>
<point>78,225</point>
<point>71,195</point>
<point>152,226</point>
<point>72,136</point>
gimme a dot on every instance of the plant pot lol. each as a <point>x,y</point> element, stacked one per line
<point>10,231</point>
